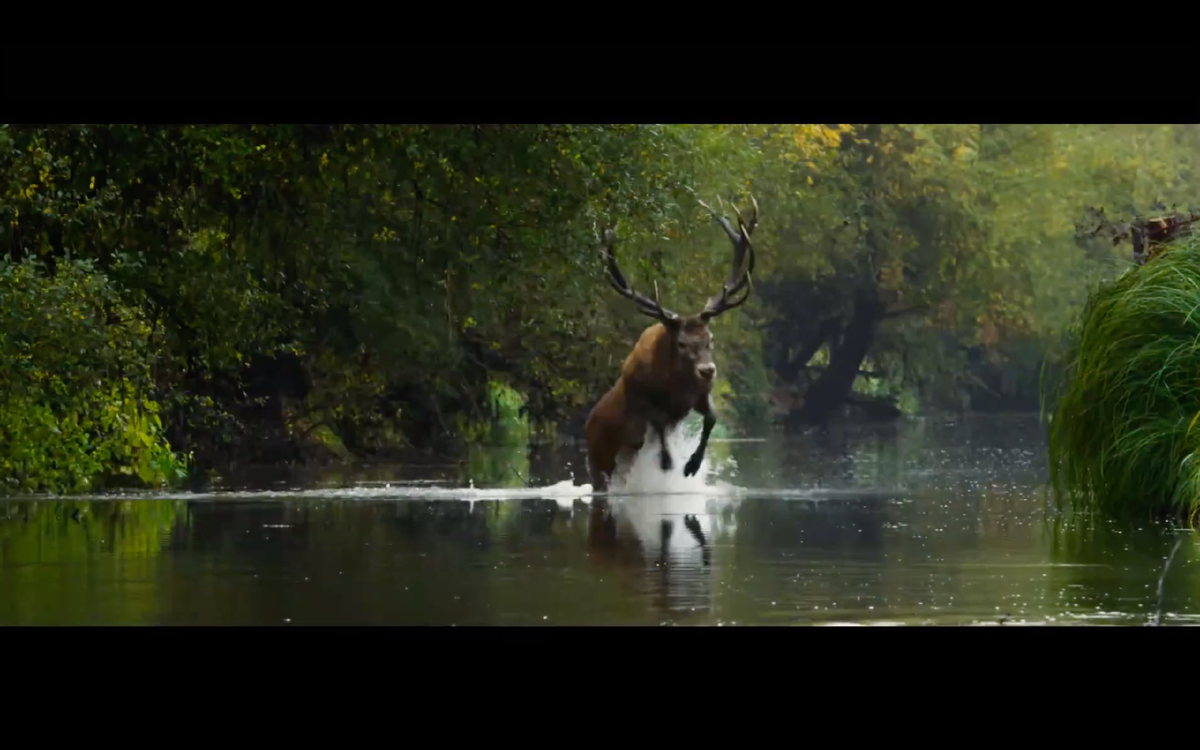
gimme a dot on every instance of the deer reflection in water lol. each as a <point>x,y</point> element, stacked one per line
<point>636,538</point>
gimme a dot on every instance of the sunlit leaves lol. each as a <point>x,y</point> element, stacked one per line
<point>74,374</point>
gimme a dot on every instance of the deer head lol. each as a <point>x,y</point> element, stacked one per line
<point>690,337</point>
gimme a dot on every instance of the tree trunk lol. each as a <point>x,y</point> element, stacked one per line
<point>829,393</point>
<point>789,367</point>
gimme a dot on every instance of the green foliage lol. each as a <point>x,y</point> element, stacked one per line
<point>496,465</point>
<point>954,247</point>
<point>74,370</point>
<point>354,289</point>
<point>507,424</point>
<point>1123,434</point>
<point>746,383</point>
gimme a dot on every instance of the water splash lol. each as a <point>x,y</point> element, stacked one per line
<point>640,485</point>
<point>643,475</point>
<point>643,495</point>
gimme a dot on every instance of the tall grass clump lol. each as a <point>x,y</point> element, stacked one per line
<point>1124,436</point>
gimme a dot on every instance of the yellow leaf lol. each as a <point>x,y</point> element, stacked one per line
<point>92,184</point>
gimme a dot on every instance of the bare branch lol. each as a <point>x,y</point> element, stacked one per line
<point>905,311</point>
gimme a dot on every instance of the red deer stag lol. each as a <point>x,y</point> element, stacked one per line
<point>670,371</point>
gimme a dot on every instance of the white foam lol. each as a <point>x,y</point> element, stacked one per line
<point>643,495</point>
<point>640,488</point>
<point>643,475</point>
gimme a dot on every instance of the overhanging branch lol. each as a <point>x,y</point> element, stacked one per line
<point>893,314</point>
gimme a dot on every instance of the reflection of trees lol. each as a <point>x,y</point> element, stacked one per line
<point>939,555</point>
<point>922,450</point>
<point>797,559</point>
<point>837,455</point>
<point>554,461</point>
<point>1108,566</point>
<point>78,562</point>
<point>960,547</point>
<point>309,561</point>
<point>496,466</point>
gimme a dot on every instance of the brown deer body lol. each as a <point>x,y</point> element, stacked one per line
<point>670,371</point>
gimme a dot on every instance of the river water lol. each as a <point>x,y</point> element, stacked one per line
<point>928,521</point>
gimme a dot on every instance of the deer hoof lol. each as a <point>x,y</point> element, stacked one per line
<point>666,461</point>
<point>693,466</point>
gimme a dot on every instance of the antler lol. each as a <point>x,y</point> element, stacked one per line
<point>741,248</point>
<point>645,305</point>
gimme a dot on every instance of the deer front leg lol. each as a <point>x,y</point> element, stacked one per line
<point>705,408</point>
<point>658,418</point>
<point>599,481</point>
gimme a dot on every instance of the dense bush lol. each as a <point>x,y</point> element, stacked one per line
<point>1125,432</point>
<point>75,379</point>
